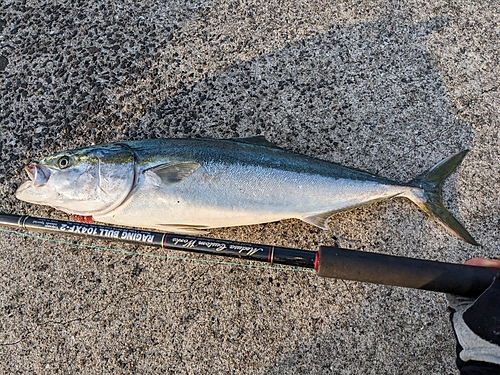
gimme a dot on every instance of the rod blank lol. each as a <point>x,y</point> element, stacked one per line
<point>333,262</point>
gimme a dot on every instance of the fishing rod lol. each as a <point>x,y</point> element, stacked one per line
<point>328,261</point>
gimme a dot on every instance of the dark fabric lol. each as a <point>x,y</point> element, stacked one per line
<point>483,318</point>
<point>479,368</point>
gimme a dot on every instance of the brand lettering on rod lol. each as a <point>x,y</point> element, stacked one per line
<point>108,233</point>
<point>248,250</point>
<point>79,229</point>
<point>134,236</point>
<point>184,242</point>
<point>216,246</point>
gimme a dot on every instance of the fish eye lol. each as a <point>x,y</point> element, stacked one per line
<point>63,162</point>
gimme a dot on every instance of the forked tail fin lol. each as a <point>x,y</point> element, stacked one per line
<point>428,197</point>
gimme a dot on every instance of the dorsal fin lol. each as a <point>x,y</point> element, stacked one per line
<point>174,172</point>
<point>258,140</point>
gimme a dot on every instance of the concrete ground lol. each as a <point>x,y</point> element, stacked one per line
<point>391,87</point>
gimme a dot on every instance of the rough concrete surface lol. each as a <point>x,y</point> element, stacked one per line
<point>390,87</point>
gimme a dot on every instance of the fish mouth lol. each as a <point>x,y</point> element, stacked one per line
<point>38,174</point>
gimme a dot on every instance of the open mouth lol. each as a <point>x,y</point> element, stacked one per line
<point>38,174</point>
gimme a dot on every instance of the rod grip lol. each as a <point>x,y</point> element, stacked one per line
<point>459,279</point>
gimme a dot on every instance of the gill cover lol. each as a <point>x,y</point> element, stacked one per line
<point>87,181</point>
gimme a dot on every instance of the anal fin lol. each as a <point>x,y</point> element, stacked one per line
<point>184,228</point>
<point>319,220</point>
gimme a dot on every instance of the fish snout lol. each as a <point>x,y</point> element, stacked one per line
<point>38,174</point>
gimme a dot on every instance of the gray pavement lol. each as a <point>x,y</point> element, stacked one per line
<point>391,87</point>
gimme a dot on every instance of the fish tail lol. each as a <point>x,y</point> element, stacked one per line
<point>428,195</point>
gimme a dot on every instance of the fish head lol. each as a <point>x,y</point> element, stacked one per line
<point>87,181</point>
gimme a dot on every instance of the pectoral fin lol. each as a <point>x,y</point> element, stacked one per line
<point>175,172</point>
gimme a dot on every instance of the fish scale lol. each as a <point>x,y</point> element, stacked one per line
<point>265,195</point>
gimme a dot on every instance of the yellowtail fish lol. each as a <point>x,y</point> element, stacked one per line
<point>190,185</point>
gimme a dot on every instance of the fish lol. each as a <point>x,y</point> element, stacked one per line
<point>189,185</point>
